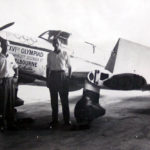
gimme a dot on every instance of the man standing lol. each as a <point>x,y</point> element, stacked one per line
<point>8,77</point>
<point>58,66</point>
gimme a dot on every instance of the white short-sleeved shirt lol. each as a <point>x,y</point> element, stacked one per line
<point>58,61</point>
<point>7,66</point>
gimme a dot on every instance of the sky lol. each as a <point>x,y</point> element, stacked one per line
<point>100,22</point>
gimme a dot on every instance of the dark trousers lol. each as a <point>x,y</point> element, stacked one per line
<point>7,99</point>
<point>58,84</point>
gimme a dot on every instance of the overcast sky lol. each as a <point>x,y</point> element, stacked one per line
<point>99,21</point>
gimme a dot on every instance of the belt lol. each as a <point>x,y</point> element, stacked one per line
<point>5,78</point>
<point>57,70</point>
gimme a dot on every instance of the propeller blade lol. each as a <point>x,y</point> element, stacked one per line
<point>6,26</point>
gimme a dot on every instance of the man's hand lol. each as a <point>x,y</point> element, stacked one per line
<point>15,79</point>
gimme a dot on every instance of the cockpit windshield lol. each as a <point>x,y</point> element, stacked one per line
<point>51,34</point>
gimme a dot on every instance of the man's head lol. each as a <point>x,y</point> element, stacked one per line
<point>3,45</point>
<point>56,43</point>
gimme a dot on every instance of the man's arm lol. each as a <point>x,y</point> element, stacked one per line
<point>15,67</point>
<point>47,66</point>
<point>69,66</point>
<point>69,71</point>
<point>16,72</point>
<point>47,71</point>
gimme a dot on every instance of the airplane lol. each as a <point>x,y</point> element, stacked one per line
<point>120,73</point>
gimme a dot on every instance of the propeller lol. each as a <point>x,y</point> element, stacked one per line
<point>6,26</point>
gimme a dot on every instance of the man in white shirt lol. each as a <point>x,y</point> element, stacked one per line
<point>8,75</point>
<point>58,68</point>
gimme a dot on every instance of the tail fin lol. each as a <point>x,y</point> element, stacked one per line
<point>130,57</point>
<point>112,60</point>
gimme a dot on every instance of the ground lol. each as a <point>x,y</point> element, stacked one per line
<point>125,126</point>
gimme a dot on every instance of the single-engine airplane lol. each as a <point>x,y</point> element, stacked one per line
<point>126,69</point>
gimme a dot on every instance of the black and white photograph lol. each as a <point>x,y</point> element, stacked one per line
<point>74,75</point>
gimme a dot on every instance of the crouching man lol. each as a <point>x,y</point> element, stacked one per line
<point>8,83</point>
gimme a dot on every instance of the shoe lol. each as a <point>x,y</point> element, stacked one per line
<point>68,125</point>
<point>19,102</point>
<point>53,124</point>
